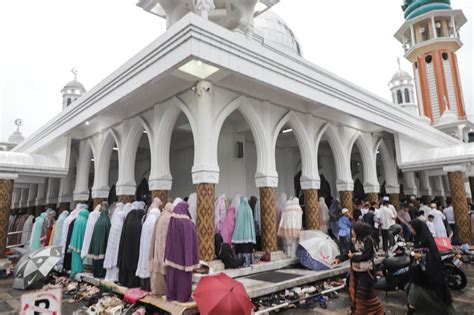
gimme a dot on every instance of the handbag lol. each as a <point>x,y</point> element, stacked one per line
<point>363,266</point>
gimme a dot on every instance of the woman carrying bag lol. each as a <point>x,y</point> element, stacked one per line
<point>362,277</point>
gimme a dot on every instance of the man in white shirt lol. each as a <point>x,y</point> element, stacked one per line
<point>449,213</point>
<point>430,225</point>
<point>387,219</point>
<point>438,222</point>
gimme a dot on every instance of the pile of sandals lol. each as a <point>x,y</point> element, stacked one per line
<point>306,297</point>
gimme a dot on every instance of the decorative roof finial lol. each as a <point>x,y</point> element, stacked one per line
<point>74,71</point>
<point>399,64</point>
<point>18,123</point>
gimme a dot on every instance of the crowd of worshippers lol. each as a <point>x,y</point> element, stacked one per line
<point>156,247</point>
<point>385,220</point>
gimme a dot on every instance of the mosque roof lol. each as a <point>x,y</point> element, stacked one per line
<point>277,33</point>
<point>414,8</point>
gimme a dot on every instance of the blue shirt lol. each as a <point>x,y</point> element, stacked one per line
<point>344,225</point>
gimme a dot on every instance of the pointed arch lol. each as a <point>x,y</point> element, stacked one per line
<point>337,150</point>
<point>244,106</point>
<point>389,165</point>
<point>308,159</point>
<point>128,151</point>
<point>102,165</point>
<point>370,180</point>
<point>87,152</point>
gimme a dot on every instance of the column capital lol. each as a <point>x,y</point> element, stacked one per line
<point>100,193</point>
<point>205,176</point>
<point>370,188</point>
<point>160,183</point>
<point>392,190</point>
<point>126,190</point>
<point>345,186</point>
<point>455,168</point>
<point>81,196</point>
<point>51,200</point>
<point>266,181</point>
<point>40,202</point>
<point>307,183</point>
<point>64,199</point>
<point>8,176</point>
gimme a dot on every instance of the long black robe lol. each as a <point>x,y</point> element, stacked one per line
<point>129,249</point>
<point>68,254</point>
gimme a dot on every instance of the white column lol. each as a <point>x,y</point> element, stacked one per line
<point>425,186</point>
<point>41,195</point>
<point>447,191</point>
<point>52,191</point>
<point>16,198</point>
<point>24,198</point>
<point>413,38</point>
<point>81,190</point>
<point>32,193</point>
<point>409,184</point>
<point>205,168</point>
<point>65,189</point>
<point>433,23</point>
<point>438,188</point>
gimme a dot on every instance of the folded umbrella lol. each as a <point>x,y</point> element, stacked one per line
<point>220,294</point>
<point>35,266</point>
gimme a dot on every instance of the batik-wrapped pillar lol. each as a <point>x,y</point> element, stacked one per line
<point>346,200</point>
<point>64,206</point>
<point>6,190</point>
<point>31,210</point>
<point>39,210</point>
<point>268,218</point>
<point>426,199</point>
<point>96,202</point>
<point>205,220</point>
<point>394,199</point>
<point>471,185</point>
<point>458,195</point>
<point>312,211</point>
<point>373,197</point>
<point>162,194</point>
<point>124,199</point>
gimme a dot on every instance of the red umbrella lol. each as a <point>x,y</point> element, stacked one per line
<point>217,295</point>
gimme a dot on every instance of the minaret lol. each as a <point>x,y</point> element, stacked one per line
<point>72,91</point>
<point>403,92</point>
<point>430,37</point>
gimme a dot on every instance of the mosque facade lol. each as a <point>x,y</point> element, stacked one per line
<point>224,102</point>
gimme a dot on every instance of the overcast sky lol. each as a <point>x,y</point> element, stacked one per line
<point>42,40</point>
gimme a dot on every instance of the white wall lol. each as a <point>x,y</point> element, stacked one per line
<point>181,162</point>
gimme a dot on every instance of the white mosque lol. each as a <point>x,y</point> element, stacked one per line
<point>224,102</point>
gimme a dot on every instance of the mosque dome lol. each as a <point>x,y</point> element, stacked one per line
<point>74,84</point>
<point>276,33</point>
<point>16,137</point>
<point>402,77</point>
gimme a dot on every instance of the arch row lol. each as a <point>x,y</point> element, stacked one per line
<point>265,121</point>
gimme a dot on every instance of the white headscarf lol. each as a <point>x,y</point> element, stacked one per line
<point>323,224</point>
<point>192,201</point>
<point>236,201</point>
<point>143,267</point>
<point>177,201</point>
<point>66,225</point>
<point>91,221</point>
<point>111,253</point>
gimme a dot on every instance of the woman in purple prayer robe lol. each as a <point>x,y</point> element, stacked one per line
<point>181,254</point>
